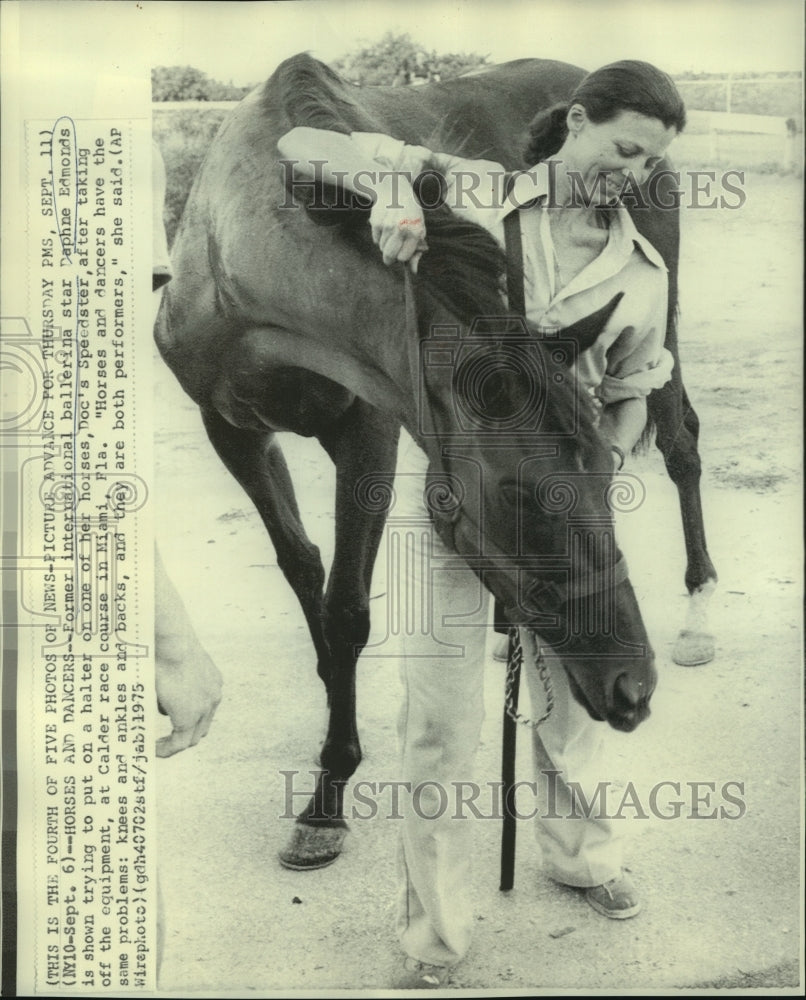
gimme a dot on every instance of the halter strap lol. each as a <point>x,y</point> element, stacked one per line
<point>459,532</point>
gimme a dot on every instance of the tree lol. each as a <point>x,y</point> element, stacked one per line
<point>398,60</point>
<point>186,83</point>
<point>178,83</point>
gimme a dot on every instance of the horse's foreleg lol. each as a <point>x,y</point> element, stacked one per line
<point>362,442</point>
<point>257,462</point>
<point>677,434</point>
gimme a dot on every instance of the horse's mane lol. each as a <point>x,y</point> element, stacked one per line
<point>464,268</point>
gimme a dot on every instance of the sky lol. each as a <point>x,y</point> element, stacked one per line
<point>242,42</point>
<point>716,35</point>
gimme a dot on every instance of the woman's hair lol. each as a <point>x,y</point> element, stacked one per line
<point>629,85</point>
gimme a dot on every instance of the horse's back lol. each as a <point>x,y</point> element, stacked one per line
<point>483,114</point>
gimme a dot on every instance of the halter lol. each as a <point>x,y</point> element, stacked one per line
<point>459,531</point>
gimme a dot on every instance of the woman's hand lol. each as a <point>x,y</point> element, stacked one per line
<point>188,690</point>
<point>188,682</point>
<point>621,424</point>
<point>397,224</point>
<point>396,218</point>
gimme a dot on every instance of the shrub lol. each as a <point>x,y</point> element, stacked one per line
<point>183,137</point>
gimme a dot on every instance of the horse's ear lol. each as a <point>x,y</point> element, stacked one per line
<point>585,331</point>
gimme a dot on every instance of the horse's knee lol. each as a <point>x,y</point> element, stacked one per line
<point>683,465</point>
<point>677,429</point>
<point>692,423</point>
<point>346,629</point>
<point>303,568</point>
<point>340,759</point>
<point>680,454</point>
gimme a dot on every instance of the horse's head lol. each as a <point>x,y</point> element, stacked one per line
<point>523,489</point>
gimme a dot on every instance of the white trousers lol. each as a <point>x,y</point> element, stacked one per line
<point>439,727</point>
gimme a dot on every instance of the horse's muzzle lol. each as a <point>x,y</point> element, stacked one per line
<point>618,698</point>
<point>631,700</point>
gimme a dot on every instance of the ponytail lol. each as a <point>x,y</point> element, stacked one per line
<point>547,133</point>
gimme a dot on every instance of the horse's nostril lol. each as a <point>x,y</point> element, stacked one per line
<point>628,692</point>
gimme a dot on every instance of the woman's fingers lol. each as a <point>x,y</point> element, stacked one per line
<point>401,244</point>
<point>399,232</point>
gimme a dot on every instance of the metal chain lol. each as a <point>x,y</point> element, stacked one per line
<point>515,660</point>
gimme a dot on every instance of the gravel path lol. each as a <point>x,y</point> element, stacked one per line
<point>723,899</point>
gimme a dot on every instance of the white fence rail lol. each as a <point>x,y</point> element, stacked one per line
<point>718,125</point>
<point>192,105</point>
<point>721,121</point>
<point>726,84</point>
<point>780,130</point>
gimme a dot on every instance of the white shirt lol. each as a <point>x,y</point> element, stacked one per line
<point>628,359</point>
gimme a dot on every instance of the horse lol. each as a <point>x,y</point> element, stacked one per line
<point>281,316</point>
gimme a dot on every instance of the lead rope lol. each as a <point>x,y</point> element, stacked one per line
<point>516,298</point>
<point>514,664</point>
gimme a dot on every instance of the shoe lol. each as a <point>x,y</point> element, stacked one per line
<point>421,976</point>
<point>617,899</point>
<point>501,649</point>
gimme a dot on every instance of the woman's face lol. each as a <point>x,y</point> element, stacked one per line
<point>628,146</point>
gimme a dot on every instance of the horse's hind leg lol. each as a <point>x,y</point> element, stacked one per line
<point>362,442</point>
<point>677,434</point>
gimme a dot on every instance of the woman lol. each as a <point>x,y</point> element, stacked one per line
<point>580,248</point>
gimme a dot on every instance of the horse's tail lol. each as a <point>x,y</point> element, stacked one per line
<point>644,443</point>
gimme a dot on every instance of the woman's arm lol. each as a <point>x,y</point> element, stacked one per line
<point>622,423</point>
<point>377,166</point>
<point>637,363</point>
<point>396,217</point>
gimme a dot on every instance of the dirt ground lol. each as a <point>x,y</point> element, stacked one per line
<point>723,897</point>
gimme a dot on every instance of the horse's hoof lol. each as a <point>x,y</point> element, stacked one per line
<point>692,649</point>
<point>312,847</point>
